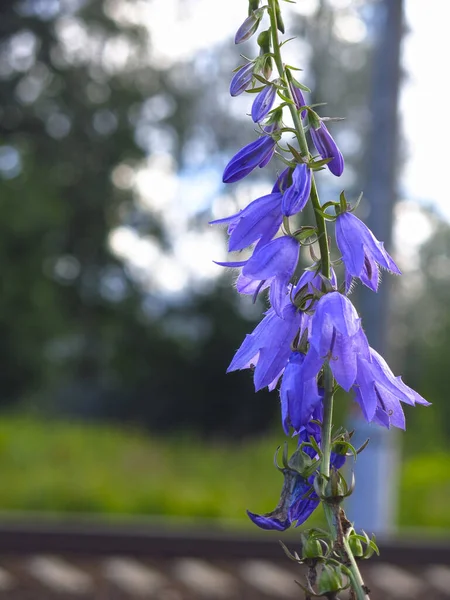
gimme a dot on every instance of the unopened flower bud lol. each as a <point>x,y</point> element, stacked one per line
<point>267,69</point>
<point>312,548</point>
<point>248,27</point>
<point>241,79</point>
<point>263,103</point>
<point>330,580</point>
<point>327,148</point>
<point>264,41</point>
<point>334,490</point>
<point>356,546</point>
<point>280,23</point>
<point>257,153</point>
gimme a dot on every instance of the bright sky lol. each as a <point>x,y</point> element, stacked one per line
<point>425,134</point>
<point>425,93</point>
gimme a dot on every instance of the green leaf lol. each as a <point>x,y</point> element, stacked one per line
<point>255,90</point>
<point>261,79</point>
<point>288,40</point>
<point>323,214</point>
<point>319,164</point>
<point>299,85</point>
<point>285,98</point>
<point>296,154</point>
<point>295,557</point>
<point>307,232</point>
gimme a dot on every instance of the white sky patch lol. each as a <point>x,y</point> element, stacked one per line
<point>196,253</point>
<point>196,188</point>
<point>412,228</point>
<point>424,95</point>
<point>156,183</point>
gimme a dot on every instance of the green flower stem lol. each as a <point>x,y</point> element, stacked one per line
<point>302,142</point>
<point>327,418</point>
<point>356,579</point>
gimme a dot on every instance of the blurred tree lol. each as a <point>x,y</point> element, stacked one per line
<point>423,330</point>
<point>75,89</point>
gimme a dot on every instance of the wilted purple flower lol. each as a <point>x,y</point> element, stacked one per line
<point>260,220</point>
<point>379,392</point>
<point>297,194</point>
<point>336,336</point>
<point>299,99</point>
<point>361,251</point>
<point>241,79</point>
<point>327,148</point>
<point>269,346</point>
<point>297,502</point>
<point>263,103</point>
<point>248,27</point>
<point>257,153</point>
<point>299,397</point>
<point>298,499</point>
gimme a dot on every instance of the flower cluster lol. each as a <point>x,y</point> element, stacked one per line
<point>311,324</point>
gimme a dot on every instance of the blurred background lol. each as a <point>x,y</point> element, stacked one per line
<point>116,327</point>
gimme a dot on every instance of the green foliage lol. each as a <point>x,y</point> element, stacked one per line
<point>70,467</point>
<point>73,467</point>
<point>425,491</point>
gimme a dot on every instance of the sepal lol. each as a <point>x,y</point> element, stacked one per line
<point>330,580</point>
<point>311,547</point>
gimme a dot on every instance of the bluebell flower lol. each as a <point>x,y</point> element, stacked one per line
<point>282,181</point>
<point>269,346</point>
<point>242,79</point>
<point>379,392</point>
<point>257,153</point>
<point>297,194</point>
<point>248,27</point>
<point>263,103</point>
<point>260,220</point>
<point>299,397</point>
<point>327,148</point>
<point>361,252</point>
<point>336,335</point>
<point>274,262</point>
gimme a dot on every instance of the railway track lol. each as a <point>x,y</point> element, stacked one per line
<point>88,560</point>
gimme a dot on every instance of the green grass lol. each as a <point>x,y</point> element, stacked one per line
<point>71,467</point>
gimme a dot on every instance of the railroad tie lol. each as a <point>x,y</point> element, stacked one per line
<point>7,581</point>
<point>59,575</point>
<point>438,576</point>
<point>204,579</point>
<point>395,582</point>
<point>270,579</point>
<point>134,578</point>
